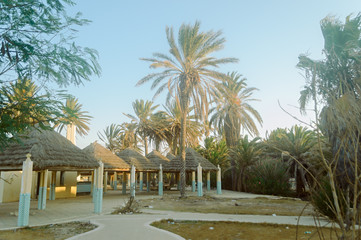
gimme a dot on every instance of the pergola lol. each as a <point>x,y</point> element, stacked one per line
<point>45,151</point>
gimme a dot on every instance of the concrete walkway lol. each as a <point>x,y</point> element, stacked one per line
<point>135,226</point>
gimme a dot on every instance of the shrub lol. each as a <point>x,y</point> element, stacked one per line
<point>323,200</point>
<point>269,177</point>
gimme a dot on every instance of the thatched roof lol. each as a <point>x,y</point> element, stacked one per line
<point>49,150</point>
<point>170,156</point>
<point>140,162</point>
<point>157,158</point>
<point>192,160</point>
<point>110,160</point>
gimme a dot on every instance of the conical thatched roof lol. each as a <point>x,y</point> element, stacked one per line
<point>192,160</point>
<point>110,160</point>
<point>157,158</point>
<point>140,162</point>
<point>49,150</point>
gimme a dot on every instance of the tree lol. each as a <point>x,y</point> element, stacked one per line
<point>22,106</point>
<point>294,145</point>
<point>245,154</point>
<point>36,42</point>
<point>233,112</point>
<point>119,137</point>
<point>74,118</point>
<point>188,74</point>
<point>215,151</point>
<point>143,111</point>
<point>111,137</point>
<point>173,116</point>
<point>334,84</point>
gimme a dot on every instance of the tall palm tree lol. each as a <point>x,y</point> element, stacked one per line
<point>188,74</point>
<point>234,112</point>
<point>143,111</point>
<point>75,120</point>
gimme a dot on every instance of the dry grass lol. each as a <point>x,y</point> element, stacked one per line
<point>257,206</point>
<point>234,230</point>
<point>48,232</point>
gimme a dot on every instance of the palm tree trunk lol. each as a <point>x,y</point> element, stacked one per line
<point>184,100</point>
<point>183,154</point>
<point>145,145</point>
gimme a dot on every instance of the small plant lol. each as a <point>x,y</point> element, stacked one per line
<point>130,207</point>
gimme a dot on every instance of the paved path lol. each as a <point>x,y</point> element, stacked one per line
<point>130,226</point>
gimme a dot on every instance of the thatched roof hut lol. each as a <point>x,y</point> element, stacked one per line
<point>192,160</point>
<point>157,158</point>
<point>49,150</point>
<point>111,161</point>
<point>140,162</point>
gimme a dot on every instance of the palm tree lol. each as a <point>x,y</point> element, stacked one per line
<point>294,145</point>
<point>111,137</point>
<point>233,112</point>
<point>173,116</point>
<point>245,154</point>
<point>143,111</point>
<point>187,74</point>
<point>75,119</point>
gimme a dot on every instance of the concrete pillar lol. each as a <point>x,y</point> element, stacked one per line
<point>160,179</point>
<point>148,182</point>
<point>124,183</point>
<point>141,181</point>
<point>98,192</point>
<point>132,181</point>
<point>199,180</point>
<point>208,181</point>
<point>129,180</point>
<point>52,186</point>
<point>25,191</point>
<point>94,181</point>
<point>219,181</point>
<point>193,181</point>
<point>115,181</point>
<point>42,189</point>
<point>105,187</point>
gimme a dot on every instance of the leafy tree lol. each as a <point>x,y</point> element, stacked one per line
<point>234,112</point>
<point>215,151</point>
<point>188,74</point>
<point>36,42</point>
<point>22,106</point>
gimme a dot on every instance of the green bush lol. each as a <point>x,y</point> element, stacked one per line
<point>323,201</point>
<point>269,177</point>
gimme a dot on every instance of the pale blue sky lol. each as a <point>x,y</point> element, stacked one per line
<point>266,36</point>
